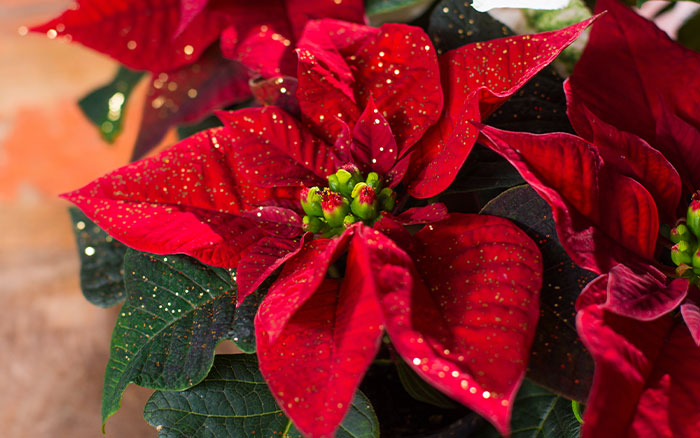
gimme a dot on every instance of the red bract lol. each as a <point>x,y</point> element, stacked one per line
<point>648,87</point>
<point>643,178</point>
<point>646,376</point>
<point>459,299</point>
<point>173,40</point>
<point>581,187</point>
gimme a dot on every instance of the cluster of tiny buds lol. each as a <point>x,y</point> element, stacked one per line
<point>686,253</point>
<point>349,198</point>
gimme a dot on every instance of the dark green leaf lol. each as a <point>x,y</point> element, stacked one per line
<point>421,390</point>
<point>101,260</point>
<point>243,330</point>
<point>177,310</point>
<point>374,7</point>
<point>689,33</point>
<point>233,401</point>
<point>105,106</point>
<point>467,426</point>
<point>455,23</point>
<point>538,107</point>
<point>538,413</point>
<point>558,359</point>
<point>484,170</point>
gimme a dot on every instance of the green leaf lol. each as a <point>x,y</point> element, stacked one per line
<point>177,310</point>
<point>538,107</point>
<point>454,23</point>
<point>538,413</point>
<point>484,170</point>
<point>101,260</point>
<point>689,33</point>
<point>243,328</point>
<point>421,390</point>
<point>374,7</point>
<point>558,359</point>
<point>234,401</point>
<point>105,106</point>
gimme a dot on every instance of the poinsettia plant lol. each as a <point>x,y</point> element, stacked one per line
<point>343,228</point>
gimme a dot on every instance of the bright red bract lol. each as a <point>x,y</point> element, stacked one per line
<point>459,299</point>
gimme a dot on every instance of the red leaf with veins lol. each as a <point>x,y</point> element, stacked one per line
<point>300,277</point>
<point>261,260</point>
<point>188,95</point>
<point>643,294</point>
<point>628,154</point>
<point>423,215</point>
<point>326,101</point>
<point>690,310</point>
<point>645,74</point>
<point>263,50</point>
<point>276,150</point>
<point>679,139</point>
<point>571,176</point>
<point>189,199</point>
<point>645,382</point>
<point>302,11</point>
<point>278,91</point>
<point>328,343</point>
<point>374,148</point>
<point>139,34</point>
<point>464,316</point>
<point>284,222</point>
<point>189,9</point>
<point>476,80</point>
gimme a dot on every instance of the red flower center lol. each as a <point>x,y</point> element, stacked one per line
<point>349,198</point>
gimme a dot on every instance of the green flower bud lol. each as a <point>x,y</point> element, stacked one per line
<point>374,181</point>
<point>349,220</point>
<point>356,190</point>
<point>335,208</point>
<point>387,199</point>
<point>682,254</point>
<point>364,203</point>
<point>331,232</point>
<point>696,261</point>
<point>347,181</point>
<point>333,183</point>
<point>693,216</point>
<point>344,180</point>
<point>312,224</point>
<point>311,201</point>
<point>681,232</point>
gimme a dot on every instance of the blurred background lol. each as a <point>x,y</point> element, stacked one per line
<point>53,344</point>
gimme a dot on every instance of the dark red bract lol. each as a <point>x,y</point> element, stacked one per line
<point>634,101</point>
